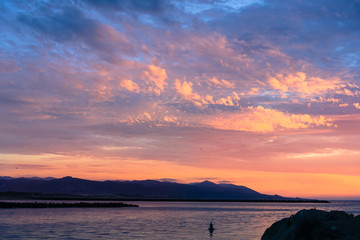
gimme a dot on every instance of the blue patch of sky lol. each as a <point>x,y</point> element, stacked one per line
<point>140,59</point>
<point>8,42</point>
<point>196,8</point>
<point>108,19</point>
<point>228,5</point>
<point>65,52</point>
<point>351,60</point>
<point>236,5</point>
<point>348,53</point>
<point>148,19</point>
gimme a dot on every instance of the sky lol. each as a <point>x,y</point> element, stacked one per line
<point>260,93</point>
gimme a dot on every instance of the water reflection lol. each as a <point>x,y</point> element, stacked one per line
<point>154,220</point>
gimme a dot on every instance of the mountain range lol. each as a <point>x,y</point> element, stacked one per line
<point>131,190</point>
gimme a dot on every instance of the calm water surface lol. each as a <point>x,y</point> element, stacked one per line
<point>155,220</point>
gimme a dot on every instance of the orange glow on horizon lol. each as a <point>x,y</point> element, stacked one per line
<point>289,184</point>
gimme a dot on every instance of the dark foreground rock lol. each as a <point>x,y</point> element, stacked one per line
<point>315,224</point>
<point>64,205</point>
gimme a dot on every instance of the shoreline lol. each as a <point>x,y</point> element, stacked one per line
<point>73,197</point>
<point>165,200</point>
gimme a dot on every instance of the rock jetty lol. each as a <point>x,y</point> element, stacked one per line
<point>64,205</point>
<point>315,224</point>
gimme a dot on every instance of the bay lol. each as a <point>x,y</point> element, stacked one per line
<point>156,220</point>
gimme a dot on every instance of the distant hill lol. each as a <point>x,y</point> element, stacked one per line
<point>147,189</point>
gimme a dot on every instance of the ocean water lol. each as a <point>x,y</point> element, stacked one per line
<point>155,220</point>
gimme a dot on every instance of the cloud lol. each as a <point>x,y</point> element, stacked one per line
<point>262,119</point>
<point>70,25</point>
<point>225,101</point>
<point>253,91</point>
<point>221,83</point>
<point>65,25</point>
<point>311,33</point>
<point>157,75</point>
<point>130,85</point>
<point>326,153</point>
<point>12,101</point>
<point>7,66</point>
<point>235,96</point>
<point>347,92</point>
<point>184,88</point>
<point>149,6</point>
<point>300,83</point>
<point>24,166</point>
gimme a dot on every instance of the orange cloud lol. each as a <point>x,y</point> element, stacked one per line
<point>222,82</point>
<point>130,85</point>
<point>348,92</point>
<point>261,119</point>
<point>185,88</point>
<point>300,83</point>
<point>329,100</point>
<point>333,100</point>
<point>253,91</point>
<point>157,75</point>
<point>170,119</point>
<point>208,99</point>
<point>356,105</point>
<point>235,96</point>
<point>231,100</point>
<point>225,101</point>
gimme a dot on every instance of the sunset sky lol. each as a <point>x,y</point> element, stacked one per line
<point>264,94</point>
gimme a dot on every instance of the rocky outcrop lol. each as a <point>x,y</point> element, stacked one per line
<point>65,205</point>
<point>315,224</point>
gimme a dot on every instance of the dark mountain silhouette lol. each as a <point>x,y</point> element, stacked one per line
<point>147,189</point>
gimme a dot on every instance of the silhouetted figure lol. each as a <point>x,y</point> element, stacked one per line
<point>211,228</point>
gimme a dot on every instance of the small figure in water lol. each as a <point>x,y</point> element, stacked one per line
<point>211,228</point>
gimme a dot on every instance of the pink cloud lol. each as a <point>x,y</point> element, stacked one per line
<point>225,101</point>
<point>348,92</point>
<point>253,91</point>
<point>157,75</point>
<point>300,83</point>
<point>184,88</point>
<point>262,119</point>
<point>356,105</point>
<point>186,91</point>
<point>221,83</point>
<point>8,66</point>
<point>130,85</point>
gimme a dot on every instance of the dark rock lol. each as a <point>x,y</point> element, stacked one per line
<point>315,225</point>
<point>65,205</point>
